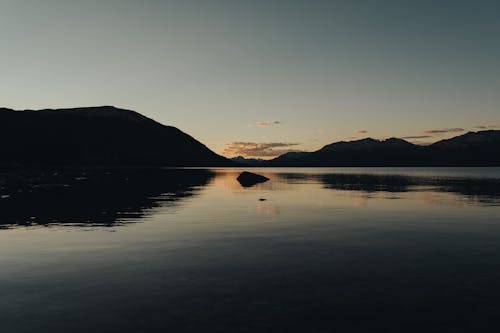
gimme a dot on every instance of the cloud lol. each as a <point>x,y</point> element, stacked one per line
<point>360,131</point>
<point>269,123</point>
<point>486,126</point>
<point>443,130</point>
<point>255,149</point>
<point>417,137</point>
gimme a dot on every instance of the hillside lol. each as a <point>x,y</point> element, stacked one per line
<point>471,149</point>
<point>97,136</point>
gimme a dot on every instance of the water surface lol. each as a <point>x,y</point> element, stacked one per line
<point>190,250</point>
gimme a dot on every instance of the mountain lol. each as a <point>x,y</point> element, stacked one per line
<point>355,153</point>
<point>367,144</point>
<point>476,140</point>
<point>97,136</point>
<point>287,159</point>
<point>248,161</point>
<point>471,149</point>
<point>111,136</point>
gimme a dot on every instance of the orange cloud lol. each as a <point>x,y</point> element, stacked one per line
<point>268,123</point>
<point>443,130</point>
<point>417,137</point>
<point>255,149</point>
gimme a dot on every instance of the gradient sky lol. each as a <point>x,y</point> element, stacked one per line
<point>267,74</point>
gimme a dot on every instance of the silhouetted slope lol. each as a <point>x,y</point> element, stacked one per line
<point>248,161</point>
<point>366,152</point>
<point>471,149</point>
<point>367,144</point>
<point>287,159</point>
<point>357,153</point>
<point>97,135</point>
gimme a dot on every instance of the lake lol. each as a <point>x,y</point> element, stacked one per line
<point>191,250</point>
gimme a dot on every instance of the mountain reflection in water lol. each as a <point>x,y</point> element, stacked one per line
<point>311,250</point>
<point>479,190</point>
<point>109,197</point>
<point>93,196</point>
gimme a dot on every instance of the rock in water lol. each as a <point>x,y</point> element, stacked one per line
<point>248,179</point>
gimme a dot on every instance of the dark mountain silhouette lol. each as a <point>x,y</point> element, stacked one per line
<point>368,143</point>
<point>355,153</point>
<point>471,149</point>
<point>288,158</point>
<point>110,136</point>
<point>248,161</point>
<point>97,136</point>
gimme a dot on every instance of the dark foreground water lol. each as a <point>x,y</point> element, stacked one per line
<point>311,250</point>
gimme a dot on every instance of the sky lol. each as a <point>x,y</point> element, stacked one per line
<point>262,77</point>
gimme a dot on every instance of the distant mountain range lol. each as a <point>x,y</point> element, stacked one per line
<point>471,149</point>
<point>97,136</point>
<point>110,136</point>
<point>248,161</point>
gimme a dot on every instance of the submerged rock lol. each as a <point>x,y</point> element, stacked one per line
<point>248,179</point>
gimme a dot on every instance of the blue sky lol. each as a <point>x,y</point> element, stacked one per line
<point>267,75</point>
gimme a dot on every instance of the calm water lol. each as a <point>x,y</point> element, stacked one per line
<point>311,250</point>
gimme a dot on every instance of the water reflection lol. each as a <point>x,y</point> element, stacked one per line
<point>92,197</point>
<point>111,197</point>
<point>478,190</point>
<point>309,251</point>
